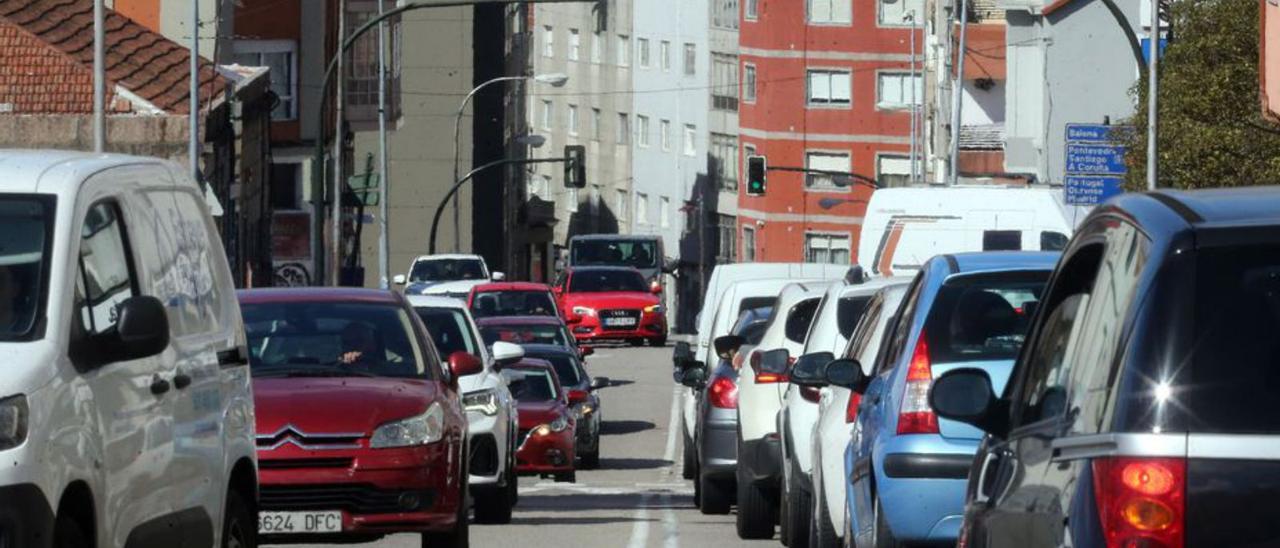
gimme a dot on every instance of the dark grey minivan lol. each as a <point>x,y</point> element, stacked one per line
<point>1141,410</point>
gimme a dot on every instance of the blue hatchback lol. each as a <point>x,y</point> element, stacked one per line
<point>907,468</point>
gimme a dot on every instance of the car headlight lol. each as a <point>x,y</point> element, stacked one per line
<point>420,430</point>
<point>584,311</point>
<point>483,401</point>
<point>13,422</point>
<point>653,309</point>
<point>558,425</point>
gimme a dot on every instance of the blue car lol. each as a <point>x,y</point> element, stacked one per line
<point>907,468</point>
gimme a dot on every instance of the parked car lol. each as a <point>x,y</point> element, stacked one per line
<point>716,431</point>
<point>446,275</point>
<point>125,402</point>
<point>361,429</point>
<point>547,425</point>
<point>839,311</point>
<point>906,466</point>
<point>761,386</point>
<point>491,411</point>
<point>612,304</point>
<point>587,414</point>
<point>837,411</point>
<point>1142,412</point>
<point>512,299</point>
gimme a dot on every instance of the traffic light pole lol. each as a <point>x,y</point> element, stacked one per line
<point>435,221</point>
<point>860,179</point>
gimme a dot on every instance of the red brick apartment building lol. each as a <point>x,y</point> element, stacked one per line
<point>826,84</point>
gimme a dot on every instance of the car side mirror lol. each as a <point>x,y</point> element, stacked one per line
<point>399,279</point>
<point>846,373</point>
<point>681,354</point>
<point>773,361</point>
<point>727,345</point>
<point>578,396</point>
<point>809,369</point>
<point>694,377</point>
<point>669,266</point>
<point>965,395</point>
<point>142,330</point>
<point>499,276</point>
<point>585,351</point>
<point>463,364</point>
<point>599,382</point>
<point>505,353</point>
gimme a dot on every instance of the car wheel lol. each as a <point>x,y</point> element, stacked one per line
<point>494,506</point>
<point>460,536</point>
<point>716,497</point>
<point>659,341</point>
<point>636,342</point>
<point>799,512</point>
<point>590,461</point>
<point>882,537</point>
<point>756,511</point>
<point>822,534</point>
<point>239,523</point>
<point>68,533</point>
<point>689,460</point>
<point>567,477</point>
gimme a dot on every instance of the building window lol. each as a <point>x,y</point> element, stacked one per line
<point>690,140</point>
<point>724,152</point>
<point>664,211</point>
<point>827,248</point>
<point>573,119</point>
<point>281,57</point>
<point>724,82</point>
<point>895,92</point>
<point>829,87</point>
<point>749,83</point>
<point>624,50</point>
<point>690,59</point>
<point>575,45</point>
<point>597,48</point>
<point>642,46</point>
<point>571,200</point>
<point>893,13</point>
<point>752,10</point>
<point>724,14</point>
<point>595,124</point>
<point>642,130</point>
<point>540,186</point>
<point>548,41</point>
<point>748,244</point>
<point>664,134</point>
<point>642,208</point>
<point>546,114</point>
<point>286,187</point>
<point>893,170</point>
<point>624,128</point>
<point>362,78</point>
<point>664,55</point>
<point>831,12</point>
<point>620,204</point>
<point>825,161</point>
<point>727,227</point>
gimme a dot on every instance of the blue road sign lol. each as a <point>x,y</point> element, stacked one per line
<point>1088,191</point>
<point>1091,133</point>
<point>1146,47</point>
<point>1095,159</point>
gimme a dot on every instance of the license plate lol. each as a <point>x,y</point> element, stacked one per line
<point>285,523</point>
<point>620,322</point>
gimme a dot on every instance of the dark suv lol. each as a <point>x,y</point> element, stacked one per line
<point>1140,411</point>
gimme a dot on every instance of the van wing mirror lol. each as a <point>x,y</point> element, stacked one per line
<point>681,354</point>
<point>141,331</point>
<point>693,377</point>
<point>399,279</point>
<point>810,369</point>
<point>505,353</point>
<point>773,361</point>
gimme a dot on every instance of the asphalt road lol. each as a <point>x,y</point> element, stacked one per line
<point>637,497</point>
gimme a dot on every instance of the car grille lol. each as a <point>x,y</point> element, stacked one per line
<point>354,498</point>
<point>484,455</point>
<point>617,313</point>
<point>287,464</point>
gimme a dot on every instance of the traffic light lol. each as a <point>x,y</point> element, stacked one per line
<point>575,166</point>
<point>756,170</point>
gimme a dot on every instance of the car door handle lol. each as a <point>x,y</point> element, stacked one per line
<point>232,358</point>
<point>980,495</point>
<point>159,386</point>
<point>181,380</point>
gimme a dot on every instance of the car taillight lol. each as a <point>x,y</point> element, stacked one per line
<point>810,394</point>
<point>851,410</point>
<point>723,393</point>
<point>915,416</point>
<point>772,378</point>
<point>1141,501</point>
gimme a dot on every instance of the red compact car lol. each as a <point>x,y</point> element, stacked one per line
<point>612,303</point>
<point>512,299</point>
<point>547,428</point>
<point>361,431</point>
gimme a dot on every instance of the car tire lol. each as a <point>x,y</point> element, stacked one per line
<point>494,506</point>
<point>689,459</point>
<point>756,510</point>
<point>239,523</point>
<point>567,477</point>
<point>636,342</point>
<point>715,495</point>
<point>69,533</point>
<point>822,534</point>
<point>460,536</point>
<point>883,536</point>
<point>590,461</point>
<point>659,341</point>
<point>799,513</point>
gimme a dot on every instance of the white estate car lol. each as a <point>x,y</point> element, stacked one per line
<point>446,275</point>
<point>491,410</point>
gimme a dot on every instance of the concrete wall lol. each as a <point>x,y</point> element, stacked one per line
<point>158,136</point>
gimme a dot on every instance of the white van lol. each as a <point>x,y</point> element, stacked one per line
<point>904,227</point>
<point>126,413</point>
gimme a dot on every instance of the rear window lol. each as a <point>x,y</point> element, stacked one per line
<point>983,317</point>
<point>848,312</point>
<point>1236,357</point>
<point>566,369</point>
<point>513,303</point>
<point>524,334</point>
<point>799,319</point>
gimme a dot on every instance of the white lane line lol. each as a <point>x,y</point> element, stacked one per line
<point>640,531</point>
<point>672,426</point>
<point>671,531</point>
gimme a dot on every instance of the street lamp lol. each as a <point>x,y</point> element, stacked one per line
<point>553,79</point>
<point>828,203</point>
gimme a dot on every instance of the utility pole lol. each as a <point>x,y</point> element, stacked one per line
<point>384,249</point>
<point>1153,102</point>
<point>335,266</point>
<point>99,77</point>
<point>193,136</point>
<point>958,94</point>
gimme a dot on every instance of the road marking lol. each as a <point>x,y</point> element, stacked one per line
<point>670,454</point>
<point>671,530</point>
<point>640,531</point>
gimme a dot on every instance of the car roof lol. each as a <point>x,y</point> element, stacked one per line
<point>60,172</point>
<point>519,320</point>
<point>511,286</point>
<point>614,237</point>
<point>602,268</point>
<point>532,363</point>
<point>447,256</point>
<point>547,349</point>
<point>799,291</point>
<point>317,294</point>
<point>1001,260</point>
<point>868,287</point>
<point>1239,205</point>
<point>433,301</point>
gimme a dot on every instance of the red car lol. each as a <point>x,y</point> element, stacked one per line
<point>361,431</point>
<point>612,303</point>
<point>512,299</point>
<point>547,428</point>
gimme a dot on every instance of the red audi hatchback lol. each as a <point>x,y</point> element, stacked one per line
<point>361,431</point>
<point>612,304</point>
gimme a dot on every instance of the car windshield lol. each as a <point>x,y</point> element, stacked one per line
<point>24,229</point>
<point>602,281</point>
<point>447,270</point>
<point>513,303</point>
<point>524,334</point>
<point>531,385</point>
<point>332,339</point>
<point>985,317</point>
<point>566,368</point>
<point>449,330</point>
<point>633,253</point>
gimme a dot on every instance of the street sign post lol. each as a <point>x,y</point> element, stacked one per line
<point>1095,166</point>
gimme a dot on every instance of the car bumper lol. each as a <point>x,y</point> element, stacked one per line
<point>718,449</point>
<point>651,326</point>
<point>550,454</point>
<point>26,517</point>
<point>921,481</point>
<point>379,491</point>
<point>762,461</point>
